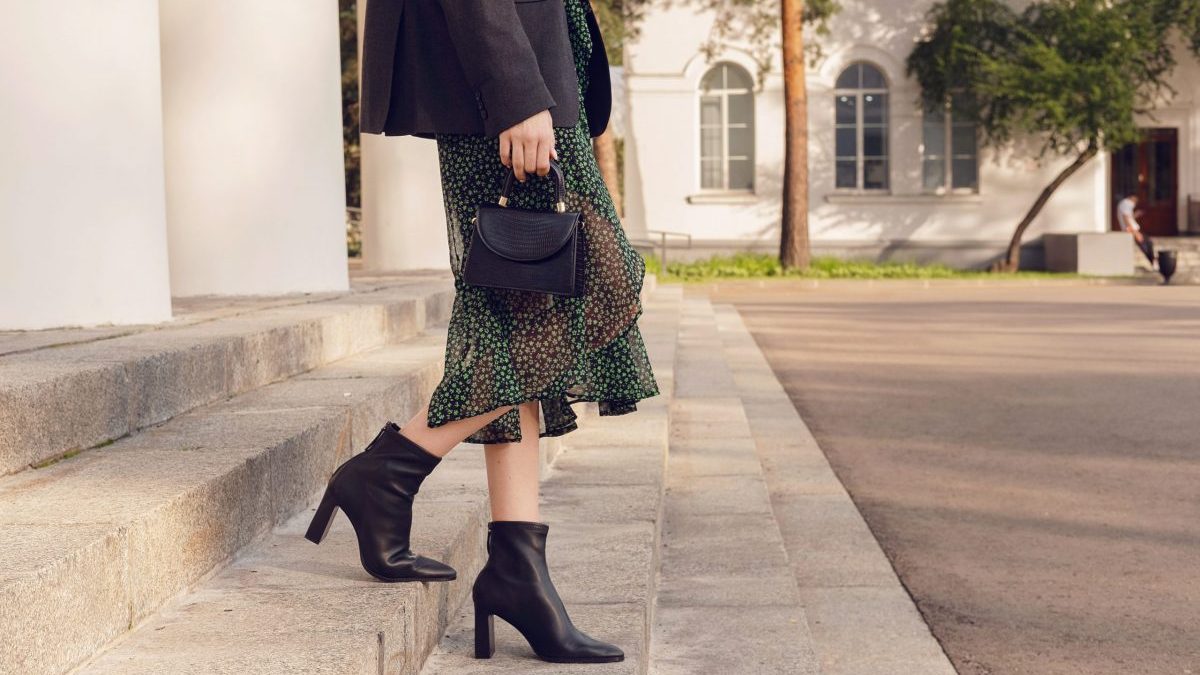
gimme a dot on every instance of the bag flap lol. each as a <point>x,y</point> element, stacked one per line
<point>524,236</point>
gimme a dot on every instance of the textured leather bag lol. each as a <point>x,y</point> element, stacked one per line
<point>523,250</point>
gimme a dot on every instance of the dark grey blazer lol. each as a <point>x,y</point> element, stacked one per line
<point>475,67</point>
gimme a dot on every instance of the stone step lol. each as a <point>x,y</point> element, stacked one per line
<point>603,501</point>
<point>63,391</point>
<point>285,605</point>
<point>94,544</point>
<point>728,602</point>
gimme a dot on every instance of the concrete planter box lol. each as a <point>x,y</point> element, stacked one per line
<point>1101,254</point>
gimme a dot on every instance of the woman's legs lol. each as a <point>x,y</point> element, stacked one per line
<point>512,471</point>
<point>512,468</point>
<point>441,440</point>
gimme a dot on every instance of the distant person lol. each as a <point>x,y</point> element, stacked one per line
<point>1127,218</point>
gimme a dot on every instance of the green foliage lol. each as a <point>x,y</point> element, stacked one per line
<point>615,28</point>
<point>1071,73</point>
<point>753,24</point>
<point>762,266</point>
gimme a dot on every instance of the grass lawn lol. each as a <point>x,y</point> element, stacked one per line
<point>763,266</point>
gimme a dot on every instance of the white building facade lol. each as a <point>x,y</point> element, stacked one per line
<point>704,150</point>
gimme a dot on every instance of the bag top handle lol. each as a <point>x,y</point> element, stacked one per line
<point>560,190</point>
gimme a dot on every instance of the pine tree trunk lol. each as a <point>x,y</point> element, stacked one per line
<point>794,249</point>
<point>1012,258</point>
<point>605,148</point>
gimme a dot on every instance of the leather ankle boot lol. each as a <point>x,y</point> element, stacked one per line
<point>515,585</point>
<point>376,488</point>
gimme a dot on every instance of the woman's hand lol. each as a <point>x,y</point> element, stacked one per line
<point>527,147</point>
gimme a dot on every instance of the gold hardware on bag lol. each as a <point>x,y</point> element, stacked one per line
<point>560,207</point>
<point>504,201</point>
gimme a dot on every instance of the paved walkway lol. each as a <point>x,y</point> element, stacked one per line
<point>1027,455</point>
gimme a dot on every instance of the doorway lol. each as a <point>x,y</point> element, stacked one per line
<point>1149,168</point>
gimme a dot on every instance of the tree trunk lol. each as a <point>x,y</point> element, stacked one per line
<point>794,249</point>
<point>605,148</point>
<point>1012,259</point>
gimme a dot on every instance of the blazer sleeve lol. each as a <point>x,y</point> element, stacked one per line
<point>498,60</point>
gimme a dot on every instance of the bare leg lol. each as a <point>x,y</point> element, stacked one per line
<point>512,471</point>
<point>442,439</point>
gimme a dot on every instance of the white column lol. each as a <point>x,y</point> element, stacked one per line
<point>82,232</point>
<point>404,219</point>
<point>403,216</point>
<point>252,114</point>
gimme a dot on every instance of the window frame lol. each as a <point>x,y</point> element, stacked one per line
<point>948,156</point>
<point>858,93</point>
<point>723,93</point>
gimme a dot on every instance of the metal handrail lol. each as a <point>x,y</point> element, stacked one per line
<point>663,234</point>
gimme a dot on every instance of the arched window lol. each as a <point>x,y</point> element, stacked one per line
<point>727,129</point>
<point>861,121</point>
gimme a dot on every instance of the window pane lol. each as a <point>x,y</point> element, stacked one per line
<point>736,77</point>
<point>966,173</point>
<point>712,79</point>
<point>741,174</point>
<point>963,139</point>
<point>874,108</point>
<point>741,142</point>
<point>847,143</point>
<point>872,78</point>
<point>710,143</point>
<point>741,108</point>
<point>710,174</point>
<point>874,142</point>
<point>847,107</point>
<point>847,173</point>
<point>934,173</point>
<point>849,78</point>
<point>875,174</point>
<point>710,110</point>
<point>934,133</point>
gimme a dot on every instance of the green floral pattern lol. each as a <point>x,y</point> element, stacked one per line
<point>508,347</point>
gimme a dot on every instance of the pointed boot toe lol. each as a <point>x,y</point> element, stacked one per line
<point>414,568</point>
<point>376,489</point>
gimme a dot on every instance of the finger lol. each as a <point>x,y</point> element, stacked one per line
<point>505,149</point>
<point>553,153</point>
<point>518,161</point>
<point>543,160</point>
<point>531,156</point>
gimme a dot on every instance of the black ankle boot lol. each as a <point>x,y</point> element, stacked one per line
<point>515,585</point>
<point>376,490</point>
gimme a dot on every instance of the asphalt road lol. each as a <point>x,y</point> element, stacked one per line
<point>1028,457</point>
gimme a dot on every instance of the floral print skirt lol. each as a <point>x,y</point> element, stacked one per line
<point>509,347</point>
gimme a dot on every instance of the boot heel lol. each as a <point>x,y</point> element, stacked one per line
<point>323,519</point>
<point>485,636</point>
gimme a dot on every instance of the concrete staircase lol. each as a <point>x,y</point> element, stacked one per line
<point>704,533</point>
<point>161,452</point>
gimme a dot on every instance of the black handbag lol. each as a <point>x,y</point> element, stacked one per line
<point>524,250</point>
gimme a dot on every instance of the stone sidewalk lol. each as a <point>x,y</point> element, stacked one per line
<point>763,564</point>
<point>704,533</point>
